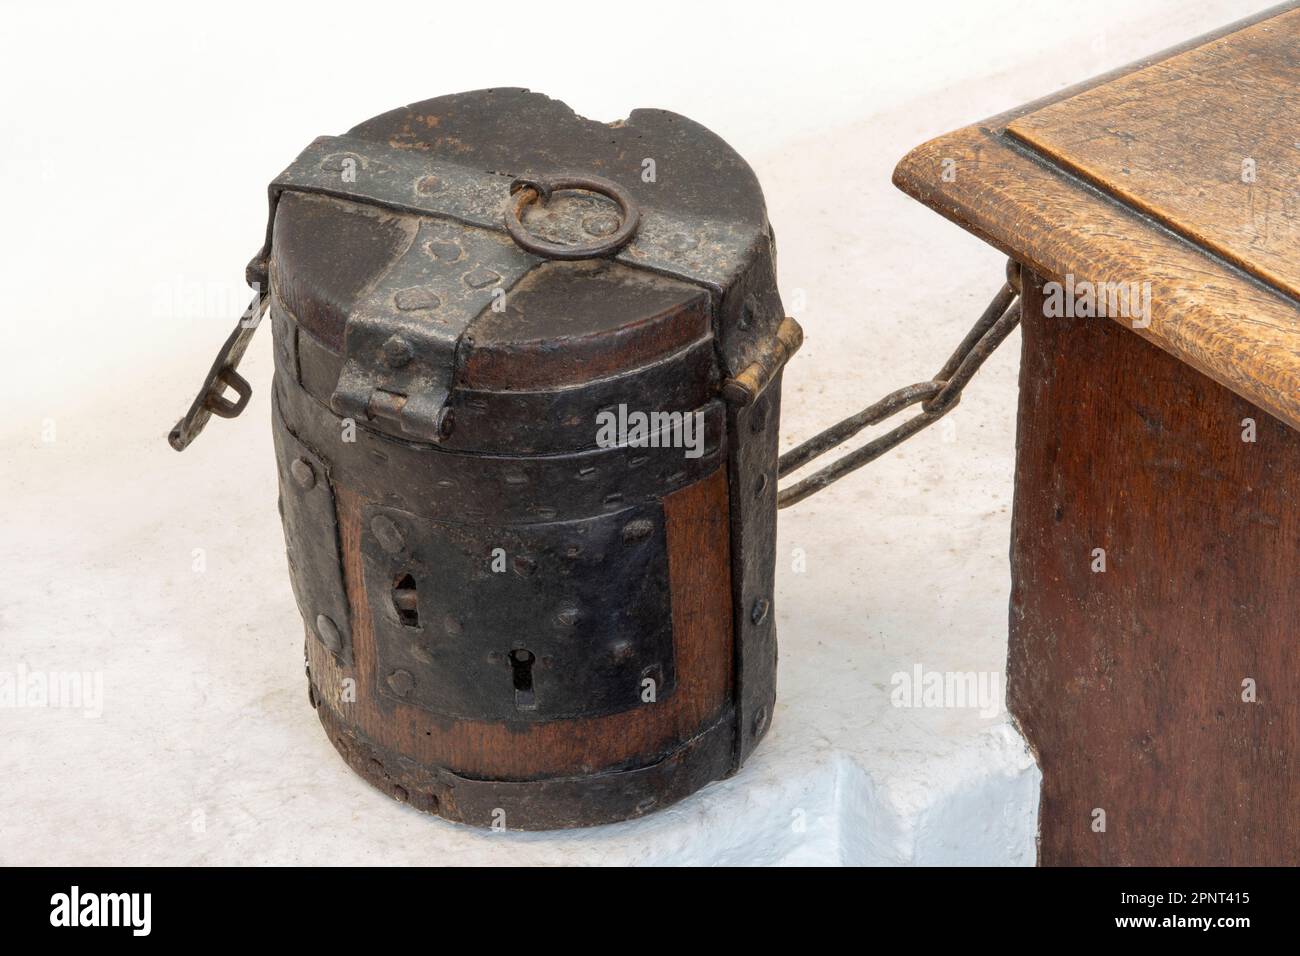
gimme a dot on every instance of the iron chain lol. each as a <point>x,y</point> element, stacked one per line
<point>937,397</point>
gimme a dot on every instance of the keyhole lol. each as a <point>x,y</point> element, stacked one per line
<point>406,600</point>
<point>521,667</point>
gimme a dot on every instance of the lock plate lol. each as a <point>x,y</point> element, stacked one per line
<point>521,623</point>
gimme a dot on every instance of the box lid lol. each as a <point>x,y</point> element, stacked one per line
<point>1175,180</point>
<point>487,269</point>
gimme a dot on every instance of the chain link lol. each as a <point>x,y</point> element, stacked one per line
<point>937,397</point>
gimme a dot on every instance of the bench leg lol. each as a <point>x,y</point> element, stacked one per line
<point>1154,661</point>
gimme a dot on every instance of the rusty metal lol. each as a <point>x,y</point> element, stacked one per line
<point>529,191</point>
<point>936,397</point>
<point>210,399</point>
<point>589,800</point>
<point>758,374</point>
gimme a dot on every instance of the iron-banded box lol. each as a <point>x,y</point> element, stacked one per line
<point>526,401</point>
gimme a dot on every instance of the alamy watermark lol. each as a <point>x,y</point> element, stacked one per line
<point>919,687</point>
<point>203,300</point>
<point>74,690</point>
<point>1085,300</point>
<point>130,910</point>
<point>620,428</point>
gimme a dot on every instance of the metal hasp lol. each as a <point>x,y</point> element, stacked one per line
<point>526,406</point>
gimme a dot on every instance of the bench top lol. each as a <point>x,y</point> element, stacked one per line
<point>1176,178</point>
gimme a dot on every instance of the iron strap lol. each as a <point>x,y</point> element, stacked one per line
<point>211,399</point>
<point>937,397</point>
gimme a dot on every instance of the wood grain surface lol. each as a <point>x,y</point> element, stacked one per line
<point>1205,309</point>
<point>1207,142</point>
<point>1128,682</point>
<point>1134,684</point>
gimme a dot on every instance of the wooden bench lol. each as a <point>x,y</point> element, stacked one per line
<point>1154,662</point>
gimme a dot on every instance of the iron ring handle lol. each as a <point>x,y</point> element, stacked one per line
<point>525,192</point>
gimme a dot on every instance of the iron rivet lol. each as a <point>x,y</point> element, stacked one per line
<point>601,224</point>
<point>567,615</point>
<point>335,162</point>
<point>303,472</point>
<point>451,626</point>
<point>760,486</point>
<point>427,185</point>
<point>747,313</point>
<point>481,278</point>
<point>412,300</point>
<point>443,249</point>
<point>759,612</point>
<point>328,632</point>
<point>621,650</point>
<point>401,682</point>
<point>637,529</point>
<point>399,792</point>
<point>398,352</point>
<point>760,720</point>
<point>388,534</point>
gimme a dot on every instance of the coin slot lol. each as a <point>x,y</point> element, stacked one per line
<point>521,667</point>
<point>406,601</point>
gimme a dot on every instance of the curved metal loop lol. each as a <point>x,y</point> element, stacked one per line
<point>223,407</point>
<point>525,192</point>
<point>211,399</point>
<point>949,373</point>
<point>936,397</point>
<point>839,433</point>
<point>869,452</point>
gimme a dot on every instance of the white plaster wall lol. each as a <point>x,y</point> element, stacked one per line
<point>135,156</point>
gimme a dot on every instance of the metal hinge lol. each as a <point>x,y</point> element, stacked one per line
<point>754,377</point>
